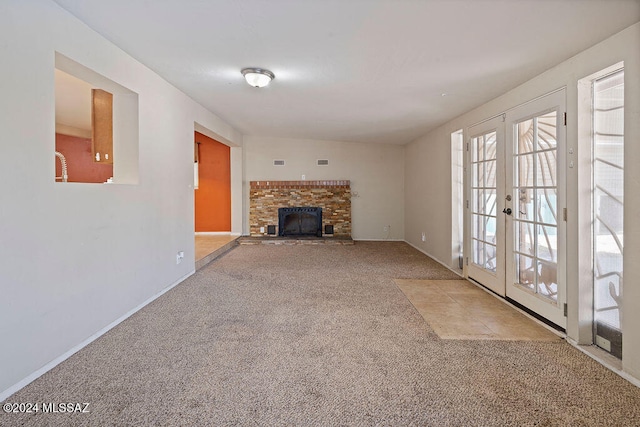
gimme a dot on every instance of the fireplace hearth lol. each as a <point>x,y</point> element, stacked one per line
<point>300,221</point>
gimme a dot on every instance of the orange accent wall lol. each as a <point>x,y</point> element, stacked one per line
<point>213,196</point>
<point>80,164</point>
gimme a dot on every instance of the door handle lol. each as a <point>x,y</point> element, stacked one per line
<point>506,211</point>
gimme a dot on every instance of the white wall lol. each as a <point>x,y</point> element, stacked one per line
<point>428,195</point>
<point>428,191</point>
<point>76,257</point>
<point>375,172</point>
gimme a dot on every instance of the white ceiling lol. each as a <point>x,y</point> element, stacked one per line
<point>351,70</point>
<point>73,101</point>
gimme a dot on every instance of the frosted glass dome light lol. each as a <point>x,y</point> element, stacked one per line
<point>257,77</point>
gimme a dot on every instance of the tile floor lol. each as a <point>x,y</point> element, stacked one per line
<point>207,244</point>
<point>458,309</point>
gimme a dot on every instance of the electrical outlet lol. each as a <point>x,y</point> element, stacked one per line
<point>424,237</point>
<point>603,343</point>
<point>385,228</point>
<point>179,257</point>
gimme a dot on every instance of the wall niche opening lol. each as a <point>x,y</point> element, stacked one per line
<point>96,136</point>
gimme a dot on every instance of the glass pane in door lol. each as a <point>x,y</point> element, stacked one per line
<point>608,206</point>
<point>483,196</point>
<point>536,218</point>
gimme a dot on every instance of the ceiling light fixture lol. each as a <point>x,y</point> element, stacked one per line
<point>257,77</point>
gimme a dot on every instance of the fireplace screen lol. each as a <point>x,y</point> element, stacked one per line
<point>300,221</point>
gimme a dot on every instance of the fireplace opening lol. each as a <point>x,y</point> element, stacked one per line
<point>300,221</point>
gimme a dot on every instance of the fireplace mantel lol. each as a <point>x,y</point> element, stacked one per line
<point>300,184</point>
<point>334,197</point>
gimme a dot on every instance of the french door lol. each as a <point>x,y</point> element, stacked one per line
<point>517,230</point>
<point>535,247</point>
<point>486,263</point>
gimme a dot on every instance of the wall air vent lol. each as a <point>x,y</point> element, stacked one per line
<point>323,162</point>
<point>278,163</point>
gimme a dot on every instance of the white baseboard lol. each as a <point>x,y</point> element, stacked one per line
<point>213,233</point>
<point>434,258</point>
<point>378,240</point>
<point>55,362</point>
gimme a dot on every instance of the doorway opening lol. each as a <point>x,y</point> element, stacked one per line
<point>212,195</point>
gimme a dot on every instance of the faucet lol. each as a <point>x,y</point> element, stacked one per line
<point>63,162</point>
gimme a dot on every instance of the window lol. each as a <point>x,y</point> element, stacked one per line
<point>483,200</point>
<point>608,208</point>
<point>535,209</point>
<point>457,197</point>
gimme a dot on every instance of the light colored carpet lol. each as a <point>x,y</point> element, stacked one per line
<point>319,336</point>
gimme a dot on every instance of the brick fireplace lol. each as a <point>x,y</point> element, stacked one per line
<point>333,197</point>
